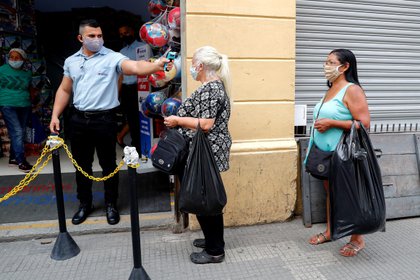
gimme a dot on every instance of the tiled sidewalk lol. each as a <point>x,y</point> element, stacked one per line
<point>275,251</point>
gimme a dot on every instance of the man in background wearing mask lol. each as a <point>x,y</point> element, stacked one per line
<point>15,105</point>
<point>128,92</point>
<point>91,75</point>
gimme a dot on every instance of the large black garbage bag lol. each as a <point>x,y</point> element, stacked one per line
<point>202,190</point>
<point>356,192</point>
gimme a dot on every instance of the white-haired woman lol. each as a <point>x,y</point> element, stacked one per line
<point>211,104</point>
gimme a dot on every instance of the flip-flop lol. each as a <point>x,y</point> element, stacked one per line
<point>320,239</point>
<point>351,246</point>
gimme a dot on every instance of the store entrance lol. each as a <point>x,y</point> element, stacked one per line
<point>55,37</point>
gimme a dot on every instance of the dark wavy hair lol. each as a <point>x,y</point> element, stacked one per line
<point>347,56</point>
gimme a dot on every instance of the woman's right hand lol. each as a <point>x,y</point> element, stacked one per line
<point>322,125</point>
<point>171,121</point>
<point>55,125</point>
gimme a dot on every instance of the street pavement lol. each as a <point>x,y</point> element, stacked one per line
<point>271,251</point>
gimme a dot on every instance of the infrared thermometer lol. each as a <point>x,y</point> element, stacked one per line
<point>170,56</point>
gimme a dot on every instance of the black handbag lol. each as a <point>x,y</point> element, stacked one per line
<point>202,191</point>
<point>318,161</point>
<point>171,152</point>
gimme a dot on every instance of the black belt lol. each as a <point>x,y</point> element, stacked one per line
<point>130,85</point>
<point>93,114</point>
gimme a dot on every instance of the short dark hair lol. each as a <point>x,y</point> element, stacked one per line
<point>88,22</point>
<point>347,56</point>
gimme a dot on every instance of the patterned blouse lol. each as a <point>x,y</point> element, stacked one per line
<point>210,101</point>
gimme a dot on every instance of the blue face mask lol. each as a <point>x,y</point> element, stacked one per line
<point>94,45</point>
<point>16,64</point>
<point>193,72</point>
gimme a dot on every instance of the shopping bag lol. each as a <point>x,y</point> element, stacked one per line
<point>35,131</point>
<point>202,191</point>
<point>171,152</point>
<point>356,193</point>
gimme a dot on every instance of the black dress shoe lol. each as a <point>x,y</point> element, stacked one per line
<point>112,215</point>
<point>199,243</point>
<point>81,214</point>
<point>203,258</point>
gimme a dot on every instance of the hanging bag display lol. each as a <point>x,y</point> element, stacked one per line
<point>202,190</point>
<point>356,192</point>
<point>318,161</point>
<point>171,152</point>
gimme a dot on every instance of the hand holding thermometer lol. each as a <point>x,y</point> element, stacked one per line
<point>170,56</point>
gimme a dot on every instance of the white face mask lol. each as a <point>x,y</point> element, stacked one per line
<point>16,64</point>
<point>194,72</point>
<point>331,72</point>
<point>93,44</point>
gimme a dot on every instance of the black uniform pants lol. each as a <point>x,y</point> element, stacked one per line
<point>130,107</point>
<point>90,132</point>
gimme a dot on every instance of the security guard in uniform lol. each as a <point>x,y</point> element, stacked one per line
<point>91,75</point>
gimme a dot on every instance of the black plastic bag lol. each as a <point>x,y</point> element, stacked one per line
<point>356,192</point>
<point>202,190</point>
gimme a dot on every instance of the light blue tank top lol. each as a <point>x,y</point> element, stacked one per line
<point>332,109</point>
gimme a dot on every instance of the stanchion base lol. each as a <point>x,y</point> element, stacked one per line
<point>64,247</point>
<point>139,274</point>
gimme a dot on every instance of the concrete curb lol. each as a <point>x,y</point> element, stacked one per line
<point>93,225</point>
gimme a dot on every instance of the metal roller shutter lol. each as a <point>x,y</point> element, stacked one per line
<point>385,37</point>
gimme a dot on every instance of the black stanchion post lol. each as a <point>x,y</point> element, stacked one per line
<point>65,247</point>
<point>138,272</point>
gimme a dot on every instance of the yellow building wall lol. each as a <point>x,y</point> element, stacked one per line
<point>259,38</point>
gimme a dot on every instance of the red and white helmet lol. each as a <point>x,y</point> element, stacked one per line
<point>174,18</point>
<point>157,79</point>
<point>154,34</point>
<point>161,78</point>
<point>156,7</point>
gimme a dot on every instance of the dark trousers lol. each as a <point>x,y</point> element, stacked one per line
<point>89,133</point>
<point>16,119</point>
<point>130,107</point>
<point>212,227</point>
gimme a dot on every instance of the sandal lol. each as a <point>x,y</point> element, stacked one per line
<point>352,248</point>
<point>320,238</point>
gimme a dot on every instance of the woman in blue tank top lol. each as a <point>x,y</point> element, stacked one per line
<point>343,102</point>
